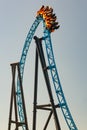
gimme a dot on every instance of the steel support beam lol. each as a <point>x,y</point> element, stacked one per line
<point>46,77</point>
<point>15,67</point>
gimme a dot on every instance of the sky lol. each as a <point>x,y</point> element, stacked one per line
<point>70,51</point>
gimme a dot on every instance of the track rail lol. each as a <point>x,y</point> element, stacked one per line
<point>22,64</point>
<point>56,82</point>
<point>54,74</point>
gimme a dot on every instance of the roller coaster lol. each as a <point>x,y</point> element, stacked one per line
<point>48,18</point>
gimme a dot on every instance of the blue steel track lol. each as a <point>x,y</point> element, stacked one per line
<point>54,74</point>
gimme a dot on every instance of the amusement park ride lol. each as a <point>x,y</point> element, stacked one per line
<point>46,15</point>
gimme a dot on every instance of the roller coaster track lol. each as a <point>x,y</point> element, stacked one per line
<point>54,73</point>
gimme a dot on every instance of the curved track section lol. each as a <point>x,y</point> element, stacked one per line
<point>56,81</point>
<point>22,64</point>
<point>52,66</point>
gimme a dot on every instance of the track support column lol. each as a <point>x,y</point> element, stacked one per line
<point>16,121</point>
<point>46,77</point>
<point>35,91</point>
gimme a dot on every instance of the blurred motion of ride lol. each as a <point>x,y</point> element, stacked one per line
<point>49,18</point>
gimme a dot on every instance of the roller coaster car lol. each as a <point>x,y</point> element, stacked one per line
<point>55,24</point>
<point>53,15</point>
<point>49,18</point>
<point>49,11</point>
<point>41,10</point>
<point>55,27</point>
<point>46,8</point>
<point>50,14</point>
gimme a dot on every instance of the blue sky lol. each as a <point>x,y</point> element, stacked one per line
<point>70,50</point>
